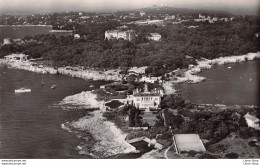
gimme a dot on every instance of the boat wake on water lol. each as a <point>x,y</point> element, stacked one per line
<point>101,138</point>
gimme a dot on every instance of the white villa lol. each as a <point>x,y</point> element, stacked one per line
<point>155,37</point>
<point>16,57</point>
<point>146,100</point>
<point>126,35</point>
<point>252,121</point>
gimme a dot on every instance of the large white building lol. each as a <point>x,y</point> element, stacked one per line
<point>252,121</point>
<point>117,34</point>
<point>146,100</point>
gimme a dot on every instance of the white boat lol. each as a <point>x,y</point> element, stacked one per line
<point>53,86</point>
<point>229,67</point>
<point>91,86</point>
<point>22,90</point>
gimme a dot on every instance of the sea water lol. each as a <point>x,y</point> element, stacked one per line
<point>229,84</point>
<point>30,123</point>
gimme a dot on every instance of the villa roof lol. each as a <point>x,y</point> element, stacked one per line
<point>119,31</point>
<point>146,94</point>
<point>251,117</point>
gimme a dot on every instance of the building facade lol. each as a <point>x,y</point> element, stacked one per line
<point>146,100</point>
<point>118,34</point>
<point>16,57</point>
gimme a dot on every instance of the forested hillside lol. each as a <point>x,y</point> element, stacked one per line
<point>206,40</point>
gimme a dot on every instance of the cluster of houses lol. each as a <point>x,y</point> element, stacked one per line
<point>203,18</point>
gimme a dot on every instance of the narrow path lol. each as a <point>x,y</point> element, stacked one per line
<point>165,152</point>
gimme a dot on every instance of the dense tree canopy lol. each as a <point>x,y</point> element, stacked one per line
<point>207,40</point>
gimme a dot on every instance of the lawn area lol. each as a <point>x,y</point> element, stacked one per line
<point>149,117</point>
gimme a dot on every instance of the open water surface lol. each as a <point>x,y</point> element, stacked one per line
<point>238,85</point>
<point>30,126</point>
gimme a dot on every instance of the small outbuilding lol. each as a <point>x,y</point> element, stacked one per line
<point>17,57</point>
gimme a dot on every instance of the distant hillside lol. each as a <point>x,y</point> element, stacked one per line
<point>182,11</point>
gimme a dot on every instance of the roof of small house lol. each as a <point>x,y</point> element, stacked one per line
<point>146,94</point>
<point>251,117</point>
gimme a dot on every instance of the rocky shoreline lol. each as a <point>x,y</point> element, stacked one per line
<point>110,140</point>
<point>204,64</point>
<point>191,76</point>
<point>78,72</point>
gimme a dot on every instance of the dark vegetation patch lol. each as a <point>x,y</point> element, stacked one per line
<point>231,155</point>
<point>114,104</point>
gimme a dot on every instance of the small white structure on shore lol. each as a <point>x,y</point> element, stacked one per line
<point>16,57</point>
<point>252,121</point>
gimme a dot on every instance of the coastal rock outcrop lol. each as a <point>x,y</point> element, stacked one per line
<point>72,71</point>
<point>110,140</point>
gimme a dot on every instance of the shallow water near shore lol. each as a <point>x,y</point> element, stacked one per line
<point>229,84</point>
<point>22,31</point>
<point>30,126</point>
